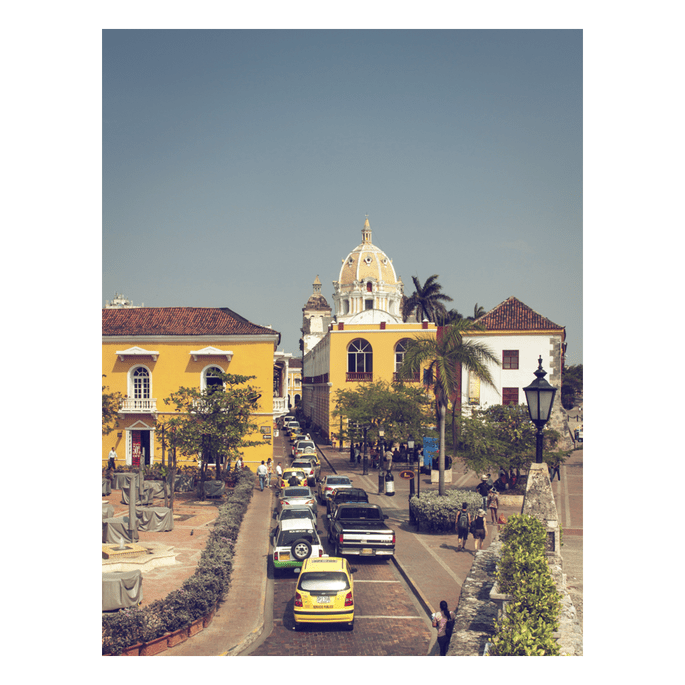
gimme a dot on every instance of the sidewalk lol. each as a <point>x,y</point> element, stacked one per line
<point>429,562</point>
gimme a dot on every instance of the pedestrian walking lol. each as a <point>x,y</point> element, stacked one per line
<point>443,620</point>
<point>493,505</point>
<point>358,454</point>
<point>483,489</point>
<point>261,472</point>
<point>279,475</point>
<point>269,472</point>
<point>111,458</point>
<point>462,525</point>
<point>479,529</point>
<point>238,463</point>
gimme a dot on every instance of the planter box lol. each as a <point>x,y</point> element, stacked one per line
<point>196,627</point>
<point>154,646</point>
<point>133,650</point>
<point>208,618</point>
<point>177,637</point>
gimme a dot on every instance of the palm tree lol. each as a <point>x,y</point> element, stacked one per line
<point>448,317</point>
<point>477,313</point>
<point>442,357</point>
<point>426,301</point>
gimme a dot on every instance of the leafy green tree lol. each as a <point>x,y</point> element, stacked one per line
<point>571,384</point>
<point>111,401</point>
<point>213,422</point>
<point>502,436</point>
<point>442,357</point>
<point>400,411</point>
<point>426,300</point>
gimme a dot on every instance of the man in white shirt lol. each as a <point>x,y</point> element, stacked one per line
<point>261,472</point>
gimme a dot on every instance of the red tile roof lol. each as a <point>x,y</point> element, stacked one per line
<point>179,321</point>
<point>513,315</point>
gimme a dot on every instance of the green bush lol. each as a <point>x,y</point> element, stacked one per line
<point>532,616</point>
<point>438,514</point>
<point>199,594</point>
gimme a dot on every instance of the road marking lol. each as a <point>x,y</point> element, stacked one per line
<point>376,581</point>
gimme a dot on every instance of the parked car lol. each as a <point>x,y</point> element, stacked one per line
<point>345,495</point>
<point>324,593</point>
<point>294,439</point>
<point>300,496</point>
<point>330,484</point>
<point>294,541</point>
<point>288,473</point>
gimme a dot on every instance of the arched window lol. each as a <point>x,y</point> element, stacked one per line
<point>369,287</point>
<point>141,383</point>
<point>359,361</point>
<point>211,378</point>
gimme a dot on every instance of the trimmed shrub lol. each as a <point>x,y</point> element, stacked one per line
<point>528,624</point>
<point>199,594</point>
<point>438,514</point>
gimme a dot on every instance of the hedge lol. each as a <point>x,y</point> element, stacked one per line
<point>199,594</point>
<point>530,619</point>
<point>438,514</point>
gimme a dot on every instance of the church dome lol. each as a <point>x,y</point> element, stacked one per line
<point>366,262</point>
<point>367,281</point>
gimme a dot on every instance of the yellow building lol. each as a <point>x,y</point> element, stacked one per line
<point>150,352</point>
<point>367,338</point>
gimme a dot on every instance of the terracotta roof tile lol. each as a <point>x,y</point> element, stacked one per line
<point>179,321</point>
<point>513,315</point>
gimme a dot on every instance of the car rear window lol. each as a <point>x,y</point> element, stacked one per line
<point>318,581</point>
<point>297,513</point>
<point>287,537</point>
<point>296,492</point>
<point>338,480</point>
<point>354,513</point>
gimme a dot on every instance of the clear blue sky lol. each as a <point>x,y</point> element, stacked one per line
<point>239,164</point>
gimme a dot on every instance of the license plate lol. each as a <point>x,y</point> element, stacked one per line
<point>323,599</point>
<point>367,550</point>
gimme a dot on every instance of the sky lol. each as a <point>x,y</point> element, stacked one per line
<point>237,165</point>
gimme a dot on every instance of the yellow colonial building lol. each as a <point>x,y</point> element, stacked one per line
<point>150,352</point>
<point>366,339</point>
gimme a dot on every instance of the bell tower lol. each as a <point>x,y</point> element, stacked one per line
<point>316,316</point>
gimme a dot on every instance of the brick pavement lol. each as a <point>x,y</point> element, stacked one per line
<point>429,562</point>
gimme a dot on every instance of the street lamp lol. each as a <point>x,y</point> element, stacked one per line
<point>540,398</point>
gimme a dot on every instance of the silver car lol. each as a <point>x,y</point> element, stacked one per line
<point>309,466</point>
<point>296,496</point>
<point>329,484</point>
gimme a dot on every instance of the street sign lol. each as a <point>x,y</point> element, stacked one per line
<point>407,474</point>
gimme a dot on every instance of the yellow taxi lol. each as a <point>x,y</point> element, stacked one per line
<point>287,475</point>
<point>324,593</point>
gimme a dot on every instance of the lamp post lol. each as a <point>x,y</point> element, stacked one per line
<point>540,398</point>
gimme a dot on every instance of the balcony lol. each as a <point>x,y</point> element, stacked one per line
<point>280,405</point>
<point>359,376</point>
<point>132,405</point>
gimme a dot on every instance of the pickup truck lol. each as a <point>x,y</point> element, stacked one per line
<point>359,529</point>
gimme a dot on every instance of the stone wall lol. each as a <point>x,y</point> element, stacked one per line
<point>476,612</point>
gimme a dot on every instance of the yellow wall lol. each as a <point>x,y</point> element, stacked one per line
<point>383,345</point>
<point>175,368</point>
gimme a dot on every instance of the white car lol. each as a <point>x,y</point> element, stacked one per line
<point>305,448</point>
<point>294,541</point>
